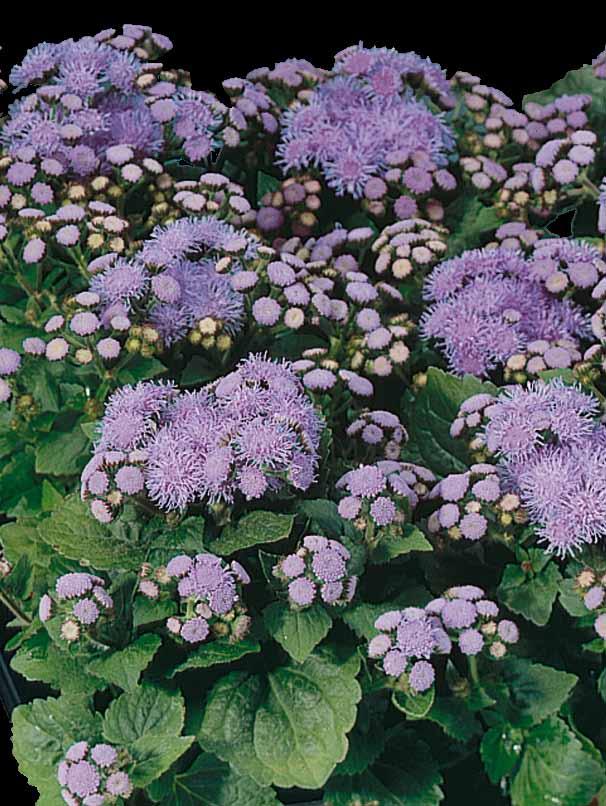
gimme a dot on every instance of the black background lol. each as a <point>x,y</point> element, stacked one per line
<point>499,42</point>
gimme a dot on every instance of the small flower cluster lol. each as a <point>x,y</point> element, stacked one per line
<point>550,448</point>
<point>409,247</point>
<point>538,356</point>
<point>251,433</point>
<point>94,775</point>
<point>10,361</point>
<point>487,306</point>
<point>317,571</point>
<point>294,207</point>
<point>378,434</point>
<point>210,597</point>
<point>590,586</point>
<point>471,621</point>
<point>383,493</point>
<point>321,374</point>
<point>406,641</point>
<point>81,601</point>
<point>475,505</point>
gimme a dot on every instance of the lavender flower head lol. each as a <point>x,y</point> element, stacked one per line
<point>318,571</point>
<point>406,639</point>
<point>467,618</point>
<point>383,493</point>
<point>79,601</point>
<point>349,131</point>
<point>209,591</point>
<point>87,774</point>
<point>487,306</point>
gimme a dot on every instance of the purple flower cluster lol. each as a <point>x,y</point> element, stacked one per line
<point>322,374</point>
<point>317,571</point>
<point>163,287</point>
<point>384,493</point>
<point>590,586</point>
<point>378,433</point>
<point>471,620</point>
<point>210,598</point>
<point>80,600</point>
<point>411,246</point>
<point>475,504</point>
<point>252,432</point>
<point>487,306</point>
<point>350,131</point>
<point>406,641</point>
<point>552,454</point>
<point>97,96</point>
<point>93,775</point>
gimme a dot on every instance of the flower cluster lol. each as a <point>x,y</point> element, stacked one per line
<point>80,602</point>
<point>100,95</point>
<point>94,775</point>
<point>249,434</point>
<point>406,641</point>
<point>471,621</point>
<point>317,571</point>
<point>476,504</point>
<point>488,305</point>
<point>384,493</point>
<point>350,130</point>
<point>550,448</point>
<point>409,247</point>
<point>210,598</point>
<point>378,433</point>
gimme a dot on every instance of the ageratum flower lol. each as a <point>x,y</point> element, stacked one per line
<point>476,504</point>
<point>487,306</point>
<point>91,775</point>
<point>383,493</point>
<point>317,571</point>
<point>209,591</point>
<point>406,641</point>
<point>467,618</point>
<point>80,601</point>
<point>252,432</point>
<point>349,131</point>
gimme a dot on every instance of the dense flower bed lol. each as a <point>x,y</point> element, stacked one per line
<point>303,455</point>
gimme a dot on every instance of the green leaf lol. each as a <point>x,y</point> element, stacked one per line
<point>404,775</point>
<point>184,538</point>
<point>198,370</point>
<point>324,516</point>
<point>297,631</point>
<point>266,183</point>
<point>210,782</point>
<point>123,668</point>
<point>555,765</point>
<point>366,740</point>
<point>501,749</point>
<point>140,369</point>
<point>228,723</point>
<point>406,539</point>
<point>146,711</point>
<point>74,533</point>
<point>91,430</point>
<point>148,611</point>
<point>531,593</point>
<point>154,755</point>
<point>537,691</point>
<point>62,453</point>
<point>42,732</point>
<point>40,659</point>
<point>475,223</point>
<point>252,530</point>
<point>570,598</point>
<point>301,726</point>
<point>288,728</point>
<point>429,422</point>
<point>602,684</point>
<point>415,706</point>
<point>20,491</point>
<point>455,718</point>
<point>215,652</point>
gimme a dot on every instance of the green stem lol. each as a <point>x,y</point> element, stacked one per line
<point>472,663</point>
<point>8,602</point>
